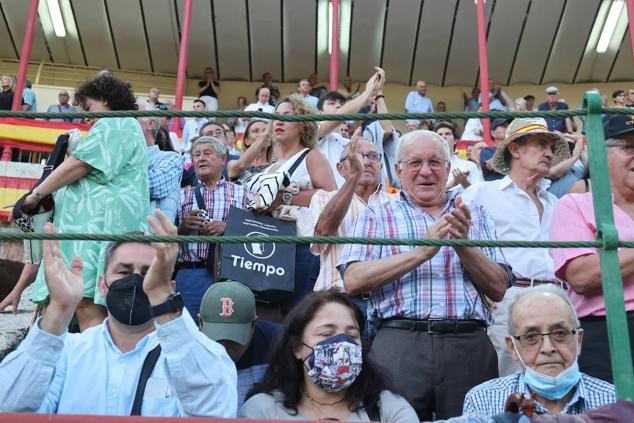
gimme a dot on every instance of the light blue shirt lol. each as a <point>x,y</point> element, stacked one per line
<point>87,374</point>
<point>416,103</point>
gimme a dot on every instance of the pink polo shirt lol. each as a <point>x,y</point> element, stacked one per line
<point>573,220</point>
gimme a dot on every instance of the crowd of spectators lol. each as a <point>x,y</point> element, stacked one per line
<point>370,332</point>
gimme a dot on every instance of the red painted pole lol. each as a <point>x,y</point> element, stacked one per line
<point>182,55</point>
<point>630,22</point>
<point>24,57</point>
<point>484,70</point>
<point>334,47</point>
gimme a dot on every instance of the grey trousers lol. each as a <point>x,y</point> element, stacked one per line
<point>435,371</point>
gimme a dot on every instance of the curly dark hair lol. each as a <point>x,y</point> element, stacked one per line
<point>285,372</point>
<point>117,94</point>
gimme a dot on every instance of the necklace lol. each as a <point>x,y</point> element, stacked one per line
<point>323,404</point>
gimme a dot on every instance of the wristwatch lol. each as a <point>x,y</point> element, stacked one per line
<point>173,304</point>
<point>287,197</point>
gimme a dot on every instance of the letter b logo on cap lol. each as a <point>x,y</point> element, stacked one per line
<point>226,307</point>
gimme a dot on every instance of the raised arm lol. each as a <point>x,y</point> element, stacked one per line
<point>352,106</point>
<point>235,168</point>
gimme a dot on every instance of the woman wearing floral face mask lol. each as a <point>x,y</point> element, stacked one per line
<point>320,371</point>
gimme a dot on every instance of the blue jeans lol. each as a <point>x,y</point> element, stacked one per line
<point>192,284</point>
<point>306,272</point>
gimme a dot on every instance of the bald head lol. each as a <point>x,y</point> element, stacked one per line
<point>534,300</point>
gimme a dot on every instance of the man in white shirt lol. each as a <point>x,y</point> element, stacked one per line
<point>330,142</point>
<point>97,371</point>
<point>418,102</point>
<point>262,105</point>
<point>192,128</point>
<point>521,208</point>
<point>463,172</point>
<point>303,89</point>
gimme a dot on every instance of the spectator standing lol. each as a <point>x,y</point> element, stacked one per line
<point>153,103</point>
<point>418,102</point>
<point>165,169</point>
<point>7,83</point>
<point>196,260</point>
<point>106,180</point>
<point>192,128</point>
<point>209,89</point>
<point>498,99</point>
<point>573,219</point>
<point>336,212</point>
<point>304,89</point>
<point>521,208</point>
<point>227,316</point>
<point>573,168</point>
<point>463,172</point>
<point>316,90</point>
<point>347,91</point>
<point>97,371</point>
<point>29,99</point>
<point>267,82</point>
<point>552,104</point>
<point>62,106</point>
<point>630,98</point>
<point>240,124</point>
<point>319,370</point>
<point>257,155</point>
<point>470,102</point>
<point>263,95</point>
<point>498,133</point>
<point>430,342</point>
<point>618,98</point>
<point>544,337</point>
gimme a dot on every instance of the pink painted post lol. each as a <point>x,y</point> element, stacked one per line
<point>484,70</point>
<point>24,57</point>
<point>182,55</point>
<point>334,47</point>
<point>630,22</point>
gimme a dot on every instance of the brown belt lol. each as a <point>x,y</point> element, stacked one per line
<point>528,282</point>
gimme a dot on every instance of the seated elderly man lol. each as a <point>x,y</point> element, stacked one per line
<point>545,338</point>
<point>427,301</point>
<point>573,219</point>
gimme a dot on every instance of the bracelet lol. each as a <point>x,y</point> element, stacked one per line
<point>379,96</point>
<point>37,194</point>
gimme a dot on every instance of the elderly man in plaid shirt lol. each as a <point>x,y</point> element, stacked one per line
<point>205,215</point>
<point>428,302</point>
<point>544,337</point>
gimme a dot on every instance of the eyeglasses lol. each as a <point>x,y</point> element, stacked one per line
<point>414,165</point>
<point>627,147</point>
<point>371,156</point>
<point>557,337</point>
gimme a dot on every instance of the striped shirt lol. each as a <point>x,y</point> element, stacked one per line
<point>217,202</point>
<point>437,289</point>
<point>489,397</point>
<point>329,254</point>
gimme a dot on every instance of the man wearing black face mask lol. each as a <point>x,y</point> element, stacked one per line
<point>99,371</point>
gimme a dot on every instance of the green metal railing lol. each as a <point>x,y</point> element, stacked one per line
<point>607,241</point>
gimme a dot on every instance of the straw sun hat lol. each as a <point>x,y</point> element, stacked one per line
<point>520,128</point>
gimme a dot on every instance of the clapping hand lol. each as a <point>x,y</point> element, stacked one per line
<point>156,282</point>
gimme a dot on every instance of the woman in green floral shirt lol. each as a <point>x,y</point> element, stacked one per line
<point>105,189</point>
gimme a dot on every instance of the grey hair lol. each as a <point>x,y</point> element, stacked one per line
<point>157,124</point>
<point>112,247</point>
<point>218,144</point>
<point>344,153</point>
<point>411,137</point>
<point>541,289</point>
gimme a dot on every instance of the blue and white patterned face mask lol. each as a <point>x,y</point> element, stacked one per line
<point>335,363</point>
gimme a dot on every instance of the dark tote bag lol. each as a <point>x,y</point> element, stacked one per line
<point>268,269</point>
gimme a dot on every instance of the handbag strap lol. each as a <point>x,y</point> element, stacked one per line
<point>298,162</point>
<point>199,198</point>
<point>56,158</point>
<point>148,366</point>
